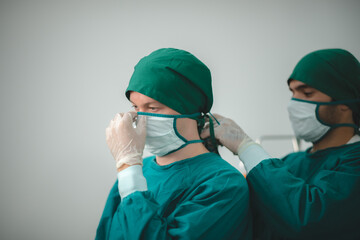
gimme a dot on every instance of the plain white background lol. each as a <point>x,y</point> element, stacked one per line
<point>64,67</point>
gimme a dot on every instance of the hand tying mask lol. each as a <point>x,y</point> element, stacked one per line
<point>125,141</point>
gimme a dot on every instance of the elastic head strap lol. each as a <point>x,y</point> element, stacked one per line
<point>212,133</point>
<point>332,126</point>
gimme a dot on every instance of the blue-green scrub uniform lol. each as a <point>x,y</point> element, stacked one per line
<point>197,198</point>
<point>308,195</point>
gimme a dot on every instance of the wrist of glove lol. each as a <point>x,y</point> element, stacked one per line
<point>130,159</point>
<point>243,145</point>
<point>125,141</point>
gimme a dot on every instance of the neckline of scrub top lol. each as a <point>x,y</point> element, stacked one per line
<point>327,150</point>
<point>180,163</point>
<point>354,139</point>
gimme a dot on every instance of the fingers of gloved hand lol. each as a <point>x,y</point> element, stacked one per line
<point>108,134</point>
<point>228,133</point>
<point>141,126</point>
<point>120,124</point>
<point>125,132</point>
<point>232,135</point>
<point>217,118</point>
<point>124,142</point>
<point>114,120</point>
<point>119,118</point>
<point>206,125</point>
<point>129,119</point>
<point>111,131</point>
<point>206,130</point>
<point>111,123</point>
<point>229,123</point>
<point>112,138</point>
<point>205,133</point>
<point>133,114</point>
<point>128,150</point>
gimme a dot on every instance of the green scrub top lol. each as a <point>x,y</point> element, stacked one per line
<point>197,198</point>
<point>308,195</point>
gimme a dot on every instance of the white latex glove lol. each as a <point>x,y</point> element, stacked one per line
<point>228,133</point>
<point>125,142</point>
<point>237,141</point>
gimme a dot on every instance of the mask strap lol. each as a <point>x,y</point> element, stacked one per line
<point>212,133</point>
<point>214,118</point>
<point>194,116</point>
<point>332,126</point>
<point>356,128</point>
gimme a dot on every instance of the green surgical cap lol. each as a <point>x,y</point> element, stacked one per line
<point>175,78</point>
<point>335,72</point>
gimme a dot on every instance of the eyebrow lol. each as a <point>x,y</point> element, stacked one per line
<point>148,103</point>
<point>300,87</point>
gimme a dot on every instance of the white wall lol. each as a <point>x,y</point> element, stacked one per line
<point>64,66</point>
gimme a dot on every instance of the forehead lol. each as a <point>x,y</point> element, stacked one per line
<point>141,99</point>
<point>299,87</point>
<point>143,102</point>
<point>295,85</point>
<point>137,97</point>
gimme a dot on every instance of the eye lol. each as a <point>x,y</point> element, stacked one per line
<point>308,94</point>
<point>135,107</point>
<point>153,109</point>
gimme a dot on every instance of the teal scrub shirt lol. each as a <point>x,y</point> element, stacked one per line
<point>198,198</point>
<point>308,195</point>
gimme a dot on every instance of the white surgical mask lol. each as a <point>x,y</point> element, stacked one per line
<point>162,136</point>
<point>304,120</point>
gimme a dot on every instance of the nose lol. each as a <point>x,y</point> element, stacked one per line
<point>140,110</point>
<point>295,94</point>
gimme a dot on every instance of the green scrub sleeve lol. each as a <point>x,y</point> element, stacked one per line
<point>211,213</point>
<point>326,207</point>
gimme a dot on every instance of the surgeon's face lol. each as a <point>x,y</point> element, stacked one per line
<point>330,114</point>
<point>142,103</point>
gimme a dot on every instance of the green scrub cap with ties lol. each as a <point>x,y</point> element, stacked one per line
<point>175,78</point>
<point>335,72</point>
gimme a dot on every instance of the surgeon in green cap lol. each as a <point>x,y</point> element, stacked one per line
<point>183,191</point>
<point>314,194</point>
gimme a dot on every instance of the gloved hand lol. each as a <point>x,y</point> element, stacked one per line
<point>228,133</point>
<point>236,140</point>
<point>125,142</point>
